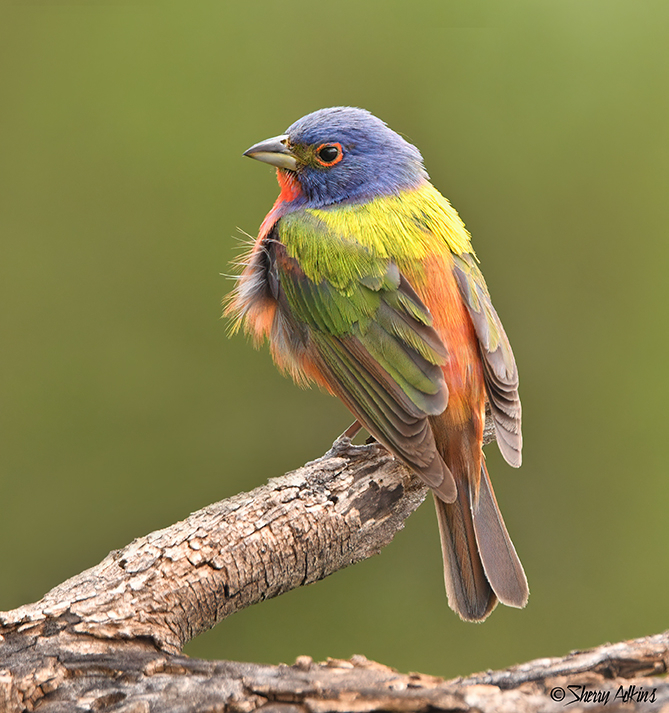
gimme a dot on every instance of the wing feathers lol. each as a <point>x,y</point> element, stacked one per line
<point>405,432</point>
<point>499,365</point>
<point>375,345</point>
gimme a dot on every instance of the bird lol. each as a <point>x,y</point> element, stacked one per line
<point>364,281</point>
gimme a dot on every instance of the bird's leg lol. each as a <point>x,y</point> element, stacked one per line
<point>342,443</point>
<point>352,431</point>
<point>343,446</point>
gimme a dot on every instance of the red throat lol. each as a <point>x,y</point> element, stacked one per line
<point>290,190</point>
<point>290,187</point>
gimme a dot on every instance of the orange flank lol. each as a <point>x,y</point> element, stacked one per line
<point>463,371</point>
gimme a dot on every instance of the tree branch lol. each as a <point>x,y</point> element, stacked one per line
<point>110,637</point>
<point>178,582</point>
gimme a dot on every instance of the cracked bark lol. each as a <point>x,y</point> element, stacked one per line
<point>109,639</point>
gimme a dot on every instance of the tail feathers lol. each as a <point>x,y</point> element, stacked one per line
<point>469,592</point>
<point>480,562</point>
<point>502,567</point>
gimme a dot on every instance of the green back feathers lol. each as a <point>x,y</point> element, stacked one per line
<point>383,315</point>
<point>341,271</point>
<point>342,243</point>
<point>375,347</point>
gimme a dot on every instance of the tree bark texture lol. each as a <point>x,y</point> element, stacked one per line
<point>178,582</point>
<point>109,639</point>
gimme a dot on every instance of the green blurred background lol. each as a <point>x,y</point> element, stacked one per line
<point>124,406</point>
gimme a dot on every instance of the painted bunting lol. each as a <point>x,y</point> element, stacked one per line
<point>364,280</point>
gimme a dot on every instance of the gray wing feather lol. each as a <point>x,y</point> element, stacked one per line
<point>499,364</point>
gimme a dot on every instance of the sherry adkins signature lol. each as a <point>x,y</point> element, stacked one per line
<point>624,694</point>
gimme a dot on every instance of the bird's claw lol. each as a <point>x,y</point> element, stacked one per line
<point>343,447</point>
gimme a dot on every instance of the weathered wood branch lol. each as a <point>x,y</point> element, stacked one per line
<point>178,582</point>
<point>56,674</point>
<point>109,638</point>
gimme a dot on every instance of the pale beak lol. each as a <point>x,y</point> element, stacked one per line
<point>274,151</point>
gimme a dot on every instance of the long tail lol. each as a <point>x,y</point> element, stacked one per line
<point>500,561</point>
<point>469,592</point>
<point>480,562</point>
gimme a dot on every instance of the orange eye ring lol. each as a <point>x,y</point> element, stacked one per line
<point>329,157</point>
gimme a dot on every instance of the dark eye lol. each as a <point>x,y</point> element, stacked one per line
<point>329,154</point>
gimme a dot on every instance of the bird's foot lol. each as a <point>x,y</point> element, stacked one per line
<point>343,446</point>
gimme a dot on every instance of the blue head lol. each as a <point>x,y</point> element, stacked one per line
<point>343,154</point>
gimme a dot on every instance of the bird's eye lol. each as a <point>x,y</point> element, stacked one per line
<point>329,154</point>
